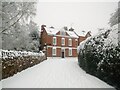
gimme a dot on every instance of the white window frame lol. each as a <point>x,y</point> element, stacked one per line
<point>63,41</point>
<point>70,42</point>
<point>54,38</point>
<point>54,53</point>
<point>70,51</point>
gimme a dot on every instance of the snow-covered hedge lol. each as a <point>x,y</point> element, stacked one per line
<point>99,55</point>
<point>12,53</point>
<point>16,61</point>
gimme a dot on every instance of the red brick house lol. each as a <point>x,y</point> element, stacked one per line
<point>83,37</point>
<point>59,42</point>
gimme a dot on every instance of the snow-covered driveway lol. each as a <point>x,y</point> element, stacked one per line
<point>54,73</point>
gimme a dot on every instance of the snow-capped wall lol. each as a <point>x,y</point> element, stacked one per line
<point>12,53</point>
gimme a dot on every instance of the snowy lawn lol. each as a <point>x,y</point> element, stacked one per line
<point>54,73</point>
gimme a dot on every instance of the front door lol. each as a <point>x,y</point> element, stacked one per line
<point>63,55</point>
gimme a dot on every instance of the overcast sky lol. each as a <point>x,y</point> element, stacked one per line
<point>87,16</point>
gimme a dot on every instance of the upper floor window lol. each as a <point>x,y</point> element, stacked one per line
<point>70,42</point>
<point>63,41</point>
<point>54,41</point>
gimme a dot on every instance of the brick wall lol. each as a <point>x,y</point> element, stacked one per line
<point>49,52</point>
<point>81,38</point>
<point>67,52</point>
<point>58,52</point>
<point>58,41</point>
<point>43,39</point>
<point>74,52</point>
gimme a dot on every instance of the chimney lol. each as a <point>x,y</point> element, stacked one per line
<point>52,27</point>
<point>71,29</point>
<point>42,27</point>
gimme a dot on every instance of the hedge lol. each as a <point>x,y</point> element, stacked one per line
<point>100,60</point>
<point>14,62</point>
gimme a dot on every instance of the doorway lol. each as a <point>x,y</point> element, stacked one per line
<point>63,53</point>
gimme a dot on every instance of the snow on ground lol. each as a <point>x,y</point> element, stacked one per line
<point>0,85</point>
<point>54,73</point>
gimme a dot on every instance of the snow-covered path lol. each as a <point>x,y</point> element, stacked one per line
<point>54,73</point>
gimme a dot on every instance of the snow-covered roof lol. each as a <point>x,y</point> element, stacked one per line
<point>54,31</point>
<point>81,33</point>
<point>51,31</point>
<point>72,34</point>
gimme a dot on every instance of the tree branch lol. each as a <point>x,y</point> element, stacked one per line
<point>13,17</point>
<point>13,23</point>
<point>16,21</point>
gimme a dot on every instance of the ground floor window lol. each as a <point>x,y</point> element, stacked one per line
<point>54,51</point>
<point>70,51</point>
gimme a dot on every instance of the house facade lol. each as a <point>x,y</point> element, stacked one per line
<point>83,37</point>
<point>59,42</point>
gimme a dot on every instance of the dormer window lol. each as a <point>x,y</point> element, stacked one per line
<point>62,33</point>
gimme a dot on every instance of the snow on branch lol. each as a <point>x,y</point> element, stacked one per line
<point>24,9</point>
<point>105,37</point>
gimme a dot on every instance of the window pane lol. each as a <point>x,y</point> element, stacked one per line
<point>70,42</point>
<point>54,40</point>
<point>63,41</point>
<point>62,32</point>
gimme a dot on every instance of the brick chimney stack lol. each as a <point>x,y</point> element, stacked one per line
<point>43,27</point>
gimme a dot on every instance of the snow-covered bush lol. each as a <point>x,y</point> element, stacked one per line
<point>16,61</point>
<point>100,56</point>
<point>12,53</point>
